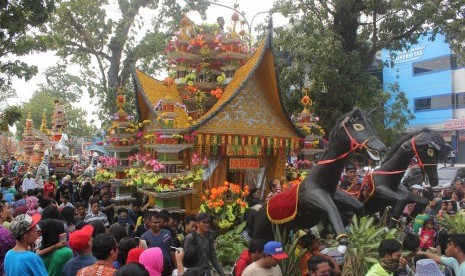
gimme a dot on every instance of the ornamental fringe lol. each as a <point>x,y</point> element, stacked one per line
<point>269,145</point>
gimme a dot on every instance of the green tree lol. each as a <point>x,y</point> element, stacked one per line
<point>333,44</point>
<point>106,46</point>
<point>43,101</point>
<point>66,88</point>
<point>9,117</point>
<point>17,20</point>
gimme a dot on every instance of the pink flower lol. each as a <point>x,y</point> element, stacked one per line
<point>205,161</point>
<point>195,159</point>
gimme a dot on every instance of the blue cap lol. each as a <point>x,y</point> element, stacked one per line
<point>275,249</point>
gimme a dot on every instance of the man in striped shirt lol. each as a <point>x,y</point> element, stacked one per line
<point>95,214</point>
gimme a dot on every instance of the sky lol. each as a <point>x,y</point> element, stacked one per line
<point>25,89</point>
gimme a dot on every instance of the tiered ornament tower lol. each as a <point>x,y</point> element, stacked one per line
<point>122,143</point>
<point>203,60</point>
<point>61,165</point>
<point>39,147</point>
<point>168,148</point>
<point>314,133</point>
<point>29,140</point>
<point>7,146</point>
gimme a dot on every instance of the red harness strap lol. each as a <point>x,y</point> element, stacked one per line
<point>353,146</point>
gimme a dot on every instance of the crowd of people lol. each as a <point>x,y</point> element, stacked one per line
<point>70,227</point>
<point>66,227</point>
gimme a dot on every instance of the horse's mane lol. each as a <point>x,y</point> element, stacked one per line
<point>408,136</point>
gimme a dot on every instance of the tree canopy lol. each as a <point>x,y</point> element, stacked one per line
<point>103,39</point>
<point>66,88</point>
<point>333,44</point>
<point>18,22</point>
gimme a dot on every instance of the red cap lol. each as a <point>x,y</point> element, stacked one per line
<point>134,254</point>
<point>35,219</point>
<point>79,239</point>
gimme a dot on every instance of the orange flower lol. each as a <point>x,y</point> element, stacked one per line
<point>191,89</point>
<point>306,100</point>
<point>235,189</point>
<point>120,98</point>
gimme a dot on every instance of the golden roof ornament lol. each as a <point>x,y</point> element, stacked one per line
<point>306,100</point>
<point>43,125</point>
<point>120,101</point>
<point>186,25</point>
<point>169,82</point>
<point>234,18</point>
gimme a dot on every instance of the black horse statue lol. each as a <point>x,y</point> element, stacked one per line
<point>353,132</point>
<point>428,147</point>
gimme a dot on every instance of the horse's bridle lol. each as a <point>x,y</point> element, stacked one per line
<point>416,155</point>
<point>353,145</point>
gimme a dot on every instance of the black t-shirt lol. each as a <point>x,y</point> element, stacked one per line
<point>141,229</point>
<point>86,191</point>
<point>345,183</point>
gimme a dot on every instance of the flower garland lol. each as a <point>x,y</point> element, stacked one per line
<point>104,174</point>
<point>109,161</point>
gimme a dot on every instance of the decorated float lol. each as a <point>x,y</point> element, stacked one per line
<point>47,149</point>
<point>243,138</point>
<point>28,140</point>
<point>121,143</point>
<point>60,162</point>
<point>7,145</point>
<point>39,147</point>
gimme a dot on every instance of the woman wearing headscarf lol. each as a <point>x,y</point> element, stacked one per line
<point>53,251</point>
<point>50,212</point>
<point>124,246</point>
<point>32,204</point>
<point>152,260</point>
<point>134,254</point>
<point>66,215</point>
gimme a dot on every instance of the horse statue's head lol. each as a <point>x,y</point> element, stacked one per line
<point>43,168</point>
<point>428,148</point>
<point>355,132</point>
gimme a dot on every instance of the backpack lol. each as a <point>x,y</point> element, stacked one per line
<point>191,257</point>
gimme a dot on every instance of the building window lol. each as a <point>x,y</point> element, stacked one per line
<point>435,65</point>
<point>422,104</point>
<point>436,102</point>
<point>460,100</point>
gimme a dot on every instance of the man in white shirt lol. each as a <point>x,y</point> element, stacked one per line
<point>28,183</point>
<point>455,254</point>
<point>268,264</point>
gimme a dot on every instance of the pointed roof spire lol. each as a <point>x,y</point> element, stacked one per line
<point>120,101</point>
<point>43,125</point>
<point>270,22</point>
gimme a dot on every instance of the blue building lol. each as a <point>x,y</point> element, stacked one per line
<point>434,84</point>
